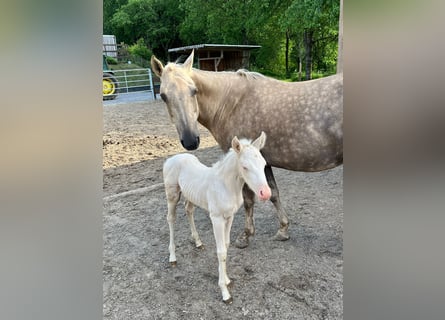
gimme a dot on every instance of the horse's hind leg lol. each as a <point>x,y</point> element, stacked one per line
<point>173,194</point>
<point>249,227</point>
<point>190,209</point>
<point>282,233</point>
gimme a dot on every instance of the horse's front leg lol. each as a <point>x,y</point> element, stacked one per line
<point>249,227</point>
<point>282,234</point>
<point>219,223</point>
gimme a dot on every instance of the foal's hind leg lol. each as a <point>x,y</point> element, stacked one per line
<point>173,194</point>
<point>282,233</point>
<point>190,209</point>
<point>249,229</point>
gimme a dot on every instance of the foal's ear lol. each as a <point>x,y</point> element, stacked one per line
<point>188,64</point>
<point>236,145</point>
<point>260,141</point>
<point>156,66</point>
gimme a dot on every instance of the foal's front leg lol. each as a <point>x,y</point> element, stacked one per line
<point>219,223</point>
<point>173,194</point>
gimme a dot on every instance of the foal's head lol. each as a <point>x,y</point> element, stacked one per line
<point>251,165</point>
<point>179,93</point>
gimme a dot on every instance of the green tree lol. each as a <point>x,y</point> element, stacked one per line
<point>314,26</point>
<point>236,22</point>
<point>109,9</point>
<point>193,28</point>
<point>292,33</point>
<point>164,28</point>
<point>132,21</point>
<point>224,21</point>
<point>155,21</point>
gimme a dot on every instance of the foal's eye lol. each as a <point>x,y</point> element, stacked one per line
<point>245,168</point>
<point>164,97</point>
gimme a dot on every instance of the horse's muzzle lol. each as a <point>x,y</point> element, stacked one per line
<point>190,141</point>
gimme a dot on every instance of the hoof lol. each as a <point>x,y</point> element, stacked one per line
<point>242,241</point>
<point>228,301</point>
<point>281,236</point>
<point>173,263</point>
<point>200,247</point>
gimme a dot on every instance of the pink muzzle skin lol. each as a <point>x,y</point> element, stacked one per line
<point>264,193</point>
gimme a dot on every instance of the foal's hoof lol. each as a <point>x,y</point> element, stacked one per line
<point>200,247</point>
<point>173,264</point>
<point>242,241</point>
<point>228,301</point>
<point>281,236</point>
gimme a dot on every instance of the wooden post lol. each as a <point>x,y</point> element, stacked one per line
<point>340,40</point>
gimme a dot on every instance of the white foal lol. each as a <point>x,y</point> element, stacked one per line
<point>217,189</point>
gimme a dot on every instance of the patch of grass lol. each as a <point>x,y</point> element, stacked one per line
<point>125,66</point>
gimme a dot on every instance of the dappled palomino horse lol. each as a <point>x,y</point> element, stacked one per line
<point>218,190</point>
<point>303,120</point>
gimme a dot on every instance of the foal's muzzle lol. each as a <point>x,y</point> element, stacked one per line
<point>190,141</point>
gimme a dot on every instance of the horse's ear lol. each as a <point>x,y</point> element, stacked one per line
<point>188,64</point>
<point>236,145</point>
<point>260,141</point>
<point>156,66</point>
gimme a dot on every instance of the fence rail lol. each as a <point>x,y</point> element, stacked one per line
<point>134,80</point>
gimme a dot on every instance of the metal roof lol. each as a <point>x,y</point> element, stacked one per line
<point>214,47</point>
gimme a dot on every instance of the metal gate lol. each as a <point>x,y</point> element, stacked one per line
<point>135,80</point>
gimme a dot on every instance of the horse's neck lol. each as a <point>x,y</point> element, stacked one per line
<point>227,170</point>
<point>218,94</point>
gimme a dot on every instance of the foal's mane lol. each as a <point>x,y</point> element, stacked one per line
<point>227,160</point>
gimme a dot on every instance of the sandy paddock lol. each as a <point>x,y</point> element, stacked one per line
<point>297,279</point>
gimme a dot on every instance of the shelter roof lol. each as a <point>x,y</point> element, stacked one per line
<point>214,47</point>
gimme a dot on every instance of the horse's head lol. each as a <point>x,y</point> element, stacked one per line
<point>179,93</point>
<point>251,165</point>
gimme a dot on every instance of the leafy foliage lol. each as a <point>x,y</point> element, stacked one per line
<point>140,49</point>
<point>292,33</point>
<point>111,60</point>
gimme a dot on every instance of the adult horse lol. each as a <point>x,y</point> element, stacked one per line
<point>303,121</point>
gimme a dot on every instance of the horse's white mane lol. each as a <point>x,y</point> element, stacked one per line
<point>249,74</point>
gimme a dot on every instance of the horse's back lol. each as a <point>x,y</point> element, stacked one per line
<point>303,122</point>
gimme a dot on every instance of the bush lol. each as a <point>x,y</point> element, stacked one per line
<point>140,49</point>
<point>111,60</point>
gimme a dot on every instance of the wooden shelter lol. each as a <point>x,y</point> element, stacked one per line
<point>217,57</point>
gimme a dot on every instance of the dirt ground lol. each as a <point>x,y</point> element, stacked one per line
<point>301,278</point>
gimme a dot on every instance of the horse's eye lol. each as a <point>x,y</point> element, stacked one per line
<point>164,97</point>
<point>245,168</point>
<point>193,92</point>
